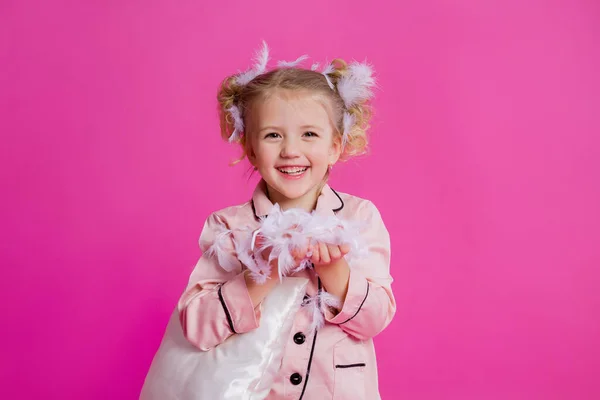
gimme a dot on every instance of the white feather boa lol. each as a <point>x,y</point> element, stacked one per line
<point>282,232</point>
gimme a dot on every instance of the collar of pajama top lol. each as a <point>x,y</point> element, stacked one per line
<point>328,202</point>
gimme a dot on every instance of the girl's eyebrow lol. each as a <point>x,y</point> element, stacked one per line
<point>310,127</point>
<point>273,128</point>
<point>276,128</point>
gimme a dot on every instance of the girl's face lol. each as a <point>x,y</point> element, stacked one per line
<point>292,145</point>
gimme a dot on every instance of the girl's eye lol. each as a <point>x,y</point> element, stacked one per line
<point>310,134</point>
<point>271,135</point>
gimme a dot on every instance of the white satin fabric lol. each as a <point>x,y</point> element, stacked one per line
<point>241,368</point>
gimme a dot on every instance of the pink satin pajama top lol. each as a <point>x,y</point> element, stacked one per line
<point>338,361</point>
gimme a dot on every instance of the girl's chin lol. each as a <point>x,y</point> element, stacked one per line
<point>287,191</point>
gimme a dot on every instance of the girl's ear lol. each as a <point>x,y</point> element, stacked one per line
<point>335,151</point>
<point>250,153</point>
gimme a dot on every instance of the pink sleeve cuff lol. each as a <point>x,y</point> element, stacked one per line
<point>358,291</point>
<point>237,304</point>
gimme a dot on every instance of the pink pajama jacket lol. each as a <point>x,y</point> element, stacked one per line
<point>338,361</point>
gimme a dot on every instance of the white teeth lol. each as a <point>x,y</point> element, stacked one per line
<point>292,170</point>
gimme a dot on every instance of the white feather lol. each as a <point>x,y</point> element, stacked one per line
<point>355,86</point>
<point>315,305</point>
<point>238,123</point>
<point>349,121</point>
<point>326,71</point>
<point>330,300</point>
<point>260,277</point>
<point>313,308</point>
<point>259,269</point>
<point>219,250</point>
<point>282,232</point>
<point>263,266</point>
<point>290,64</point>
<point>261,60</point>
<point>314,67</point>
<point>329,68</point>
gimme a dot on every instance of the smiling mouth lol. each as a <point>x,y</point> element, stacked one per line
<point>292,170</point>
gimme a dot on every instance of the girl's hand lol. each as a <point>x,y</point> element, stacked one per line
<point>332,268</point>
<point>300,253</point>
<point>325,254</point>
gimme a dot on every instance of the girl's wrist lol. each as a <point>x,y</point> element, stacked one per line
<point>335,277</point>
<point>258,291</point>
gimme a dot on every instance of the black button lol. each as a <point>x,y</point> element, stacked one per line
<point>296,379</point>
<point>299,338</point>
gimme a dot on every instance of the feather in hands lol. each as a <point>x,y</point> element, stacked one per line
<point>282,232</point>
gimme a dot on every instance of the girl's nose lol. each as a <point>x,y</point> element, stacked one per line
<point>290,149</point>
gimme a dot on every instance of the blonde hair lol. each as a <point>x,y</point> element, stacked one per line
<point>230,93</point>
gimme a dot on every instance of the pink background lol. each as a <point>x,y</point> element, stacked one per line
<point>485,165</point>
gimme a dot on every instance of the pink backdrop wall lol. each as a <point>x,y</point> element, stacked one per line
<point>485,166</point>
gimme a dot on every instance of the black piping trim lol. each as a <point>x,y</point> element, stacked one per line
<point>361,304</point>
<point>341,201</point>
<point>335,210</point>
<point>229,321</point>
<point>312,351</point>
<point>254,210</point>
<point>351,365</point>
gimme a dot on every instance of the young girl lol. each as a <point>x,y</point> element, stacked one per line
<point>294,124</point>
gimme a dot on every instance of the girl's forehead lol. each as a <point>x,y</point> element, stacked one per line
<point>286,103</point>
<point>291,97</point>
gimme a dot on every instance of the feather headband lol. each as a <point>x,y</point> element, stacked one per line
<point>355,86</point>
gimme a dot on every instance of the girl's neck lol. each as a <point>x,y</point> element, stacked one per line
<point>308,202</point>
